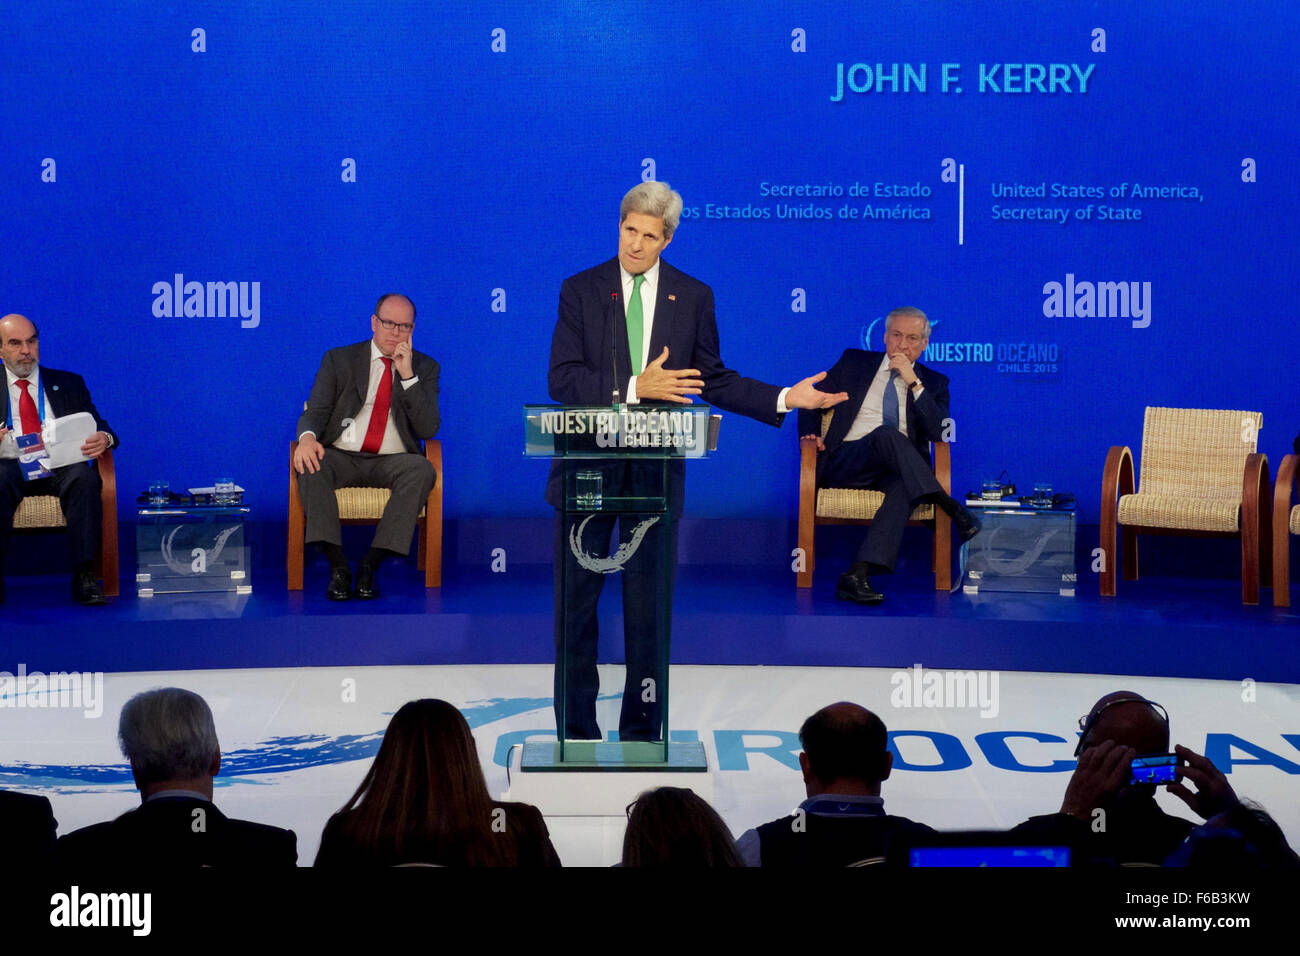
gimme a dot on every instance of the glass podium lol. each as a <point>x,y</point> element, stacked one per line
<point>613,465</point>
<point>1023,549</point>
<point>191,549</point>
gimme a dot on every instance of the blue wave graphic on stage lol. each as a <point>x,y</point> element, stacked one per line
<point>273,755</point>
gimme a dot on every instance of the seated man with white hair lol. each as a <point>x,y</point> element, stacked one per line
<point>170,739</point>
<point>880,439</point>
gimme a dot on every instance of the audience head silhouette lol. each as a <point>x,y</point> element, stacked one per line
<point>1128,719</point>
<point>170,739</point>
<point>844,751</point>
<point>672,826</point>
<point>424,800</point>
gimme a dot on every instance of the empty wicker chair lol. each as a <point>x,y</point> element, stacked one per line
<point>1286,522</point>
<point>1200,476</point>
<point>820,506</point>
<point>366,506</point>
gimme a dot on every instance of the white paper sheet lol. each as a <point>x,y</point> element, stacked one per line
<point>64,437</point>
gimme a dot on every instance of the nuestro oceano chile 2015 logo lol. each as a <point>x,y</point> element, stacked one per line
<point>1008,357</point>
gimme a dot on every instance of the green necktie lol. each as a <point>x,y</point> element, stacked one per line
<point>634,323</point>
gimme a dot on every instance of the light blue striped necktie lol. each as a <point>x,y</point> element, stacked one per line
<point>889,411</point>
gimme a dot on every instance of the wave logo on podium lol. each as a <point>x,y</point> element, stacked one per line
<point>615,561</point>
<point>201,557</point>
<point>1022,561</point>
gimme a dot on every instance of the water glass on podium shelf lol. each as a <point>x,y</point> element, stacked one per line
<point>589,494</point>
<point>223,492</point>
<point>159,493</point>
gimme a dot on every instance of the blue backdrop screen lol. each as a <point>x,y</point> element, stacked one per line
<point>1095,203</point>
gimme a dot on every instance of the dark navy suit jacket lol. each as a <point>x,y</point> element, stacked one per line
<point>589,352</point>
<point>853,373</point>
<point>27,828</point>
<point>66,393</point>
<point>162,834</point>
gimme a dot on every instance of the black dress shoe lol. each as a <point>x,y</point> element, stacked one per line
<point>967,524</point>
<point>856,587</point>
<point>340,588</point>
<point>367,586</point>
<point>86,590</point>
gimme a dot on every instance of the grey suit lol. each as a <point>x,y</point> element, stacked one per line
<point>337,396</point>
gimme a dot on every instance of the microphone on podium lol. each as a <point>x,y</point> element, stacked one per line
<point>613,312</point>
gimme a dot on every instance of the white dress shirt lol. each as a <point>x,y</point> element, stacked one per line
<point>872,415</point>
<point>355,436</point>
<point>649,293</point>
<point>9,447</point>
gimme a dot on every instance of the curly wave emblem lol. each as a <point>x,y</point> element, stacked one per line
<point>1014,567</point>
<point>616,560</point>
<point>210,557</point>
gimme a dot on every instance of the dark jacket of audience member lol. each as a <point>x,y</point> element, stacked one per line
<point>1136,831</point>
<point>27,828</point>
<point>424,800</point>
<point>170,739</point>
<point>674,827</point>
<point>843,822</point>
<point>160,834</point>
<point>1103,818</point>
<point>1241,837</point>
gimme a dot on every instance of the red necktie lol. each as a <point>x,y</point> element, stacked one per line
<point>379,414</point>
<point>30,421</point>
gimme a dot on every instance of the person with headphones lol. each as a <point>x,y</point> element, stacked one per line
<point>1104,816</point>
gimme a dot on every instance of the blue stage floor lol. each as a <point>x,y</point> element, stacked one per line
<point>1167,627</point>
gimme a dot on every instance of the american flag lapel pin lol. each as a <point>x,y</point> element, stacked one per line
<point>671,297</point>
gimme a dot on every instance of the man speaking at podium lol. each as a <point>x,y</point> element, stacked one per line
<point>635,329</point>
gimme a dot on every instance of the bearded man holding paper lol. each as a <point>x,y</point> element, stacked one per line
<point>33,396</point>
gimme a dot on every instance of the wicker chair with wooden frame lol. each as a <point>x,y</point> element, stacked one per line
<point>1200,477</point>
<point>366,506</point>
<point>43,513</point>
<point>823,506</point>
<point>1286,522</point>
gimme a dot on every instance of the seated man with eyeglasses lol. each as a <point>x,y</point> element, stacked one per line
<point>880,438</point>
<point>369,409</point>
<point>1104,817</point>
